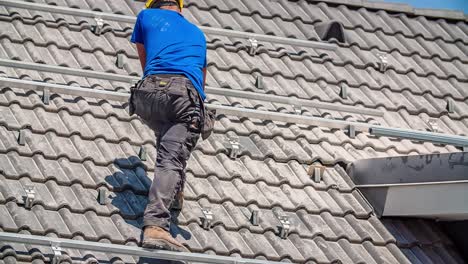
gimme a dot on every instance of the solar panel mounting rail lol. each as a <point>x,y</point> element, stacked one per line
<point>438,138</point>
<point>132,20</point>
<point>209,90</point>
<point>124,250</point>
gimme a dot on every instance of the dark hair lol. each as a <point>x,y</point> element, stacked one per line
<point>161,3</point>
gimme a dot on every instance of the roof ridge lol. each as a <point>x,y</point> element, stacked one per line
<point>401,7</point>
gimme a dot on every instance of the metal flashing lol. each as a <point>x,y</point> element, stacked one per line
<point>209,90</point>
<point>132,20</point>
<point>429,186</point>
<point>414,169</point>
<point>125,250</point>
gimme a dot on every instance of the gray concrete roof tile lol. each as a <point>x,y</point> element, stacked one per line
<point>433,71</point>
<point>334,220</point>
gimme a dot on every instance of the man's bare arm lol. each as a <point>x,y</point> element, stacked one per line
<point>142,54</point>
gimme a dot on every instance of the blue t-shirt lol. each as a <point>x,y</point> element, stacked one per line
<point>173,45</point>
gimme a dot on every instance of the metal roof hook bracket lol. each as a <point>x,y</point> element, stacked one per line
<point>253,46</point>
<point>351,131</point>
<point>285,226</point>
<point>22,137</point>
<point>46,96</point>
<point>297,109</point>
<point>29,197</point>
<point>450,106</point>
<point>316,171</point>
<point>207,218</point>
<point>259,82</point>
<point>99,25</point>
<point>102,195</point>
<point>383,64</point>
<point>254,218</point>
<point>344,90</point>
<point>142,154</point>
<point>57,259</point>
<point>235,147</point>
<point>434,125</point>
<point>120,60</point>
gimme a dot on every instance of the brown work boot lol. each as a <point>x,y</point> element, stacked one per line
<point>158,238</point>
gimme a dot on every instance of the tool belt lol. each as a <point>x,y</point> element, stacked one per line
<point>170,96</point>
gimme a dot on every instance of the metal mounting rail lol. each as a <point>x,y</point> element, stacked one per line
<point>64,89</point>
<point>439,138</point>
<point>67,70</point>
<point>132,19</point>
<point>208,89</point>
<point>221,109</point>
<point>292,101</point>
<point>289,118</point>
<point>123,250</point>
<point>460,141</point>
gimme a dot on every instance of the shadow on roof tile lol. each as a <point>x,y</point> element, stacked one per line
<point>136,206</point>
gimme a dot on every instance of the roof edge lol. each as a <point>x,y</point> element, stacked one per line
<point>400,7</point>
<point>411,170</point>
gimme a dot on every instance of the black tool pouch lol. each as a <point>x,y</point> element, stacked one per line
<point>209,119</point>
<point>131,103</point>
<point>206,118</point>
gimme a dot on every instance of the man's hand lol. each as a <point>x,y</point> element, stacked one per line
<point>142,54</point>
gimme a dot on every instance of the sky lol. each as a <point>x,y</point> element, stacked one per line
<point>460,5</point>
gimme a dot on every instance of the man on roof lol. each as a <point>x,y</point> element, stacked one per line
<point>169,99</point>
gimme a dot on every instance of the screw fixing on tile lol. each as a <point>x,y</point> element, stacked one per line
<point>170,100</point>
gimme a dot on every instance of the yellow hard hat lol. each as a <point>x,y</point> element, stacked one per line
<point>149,3</point>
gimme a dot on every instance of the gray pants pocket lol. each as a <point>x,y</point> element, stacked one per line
<point>163,100</point>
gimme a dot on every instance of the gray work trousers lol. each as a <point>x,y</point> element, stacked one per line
<point>170,105</point>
